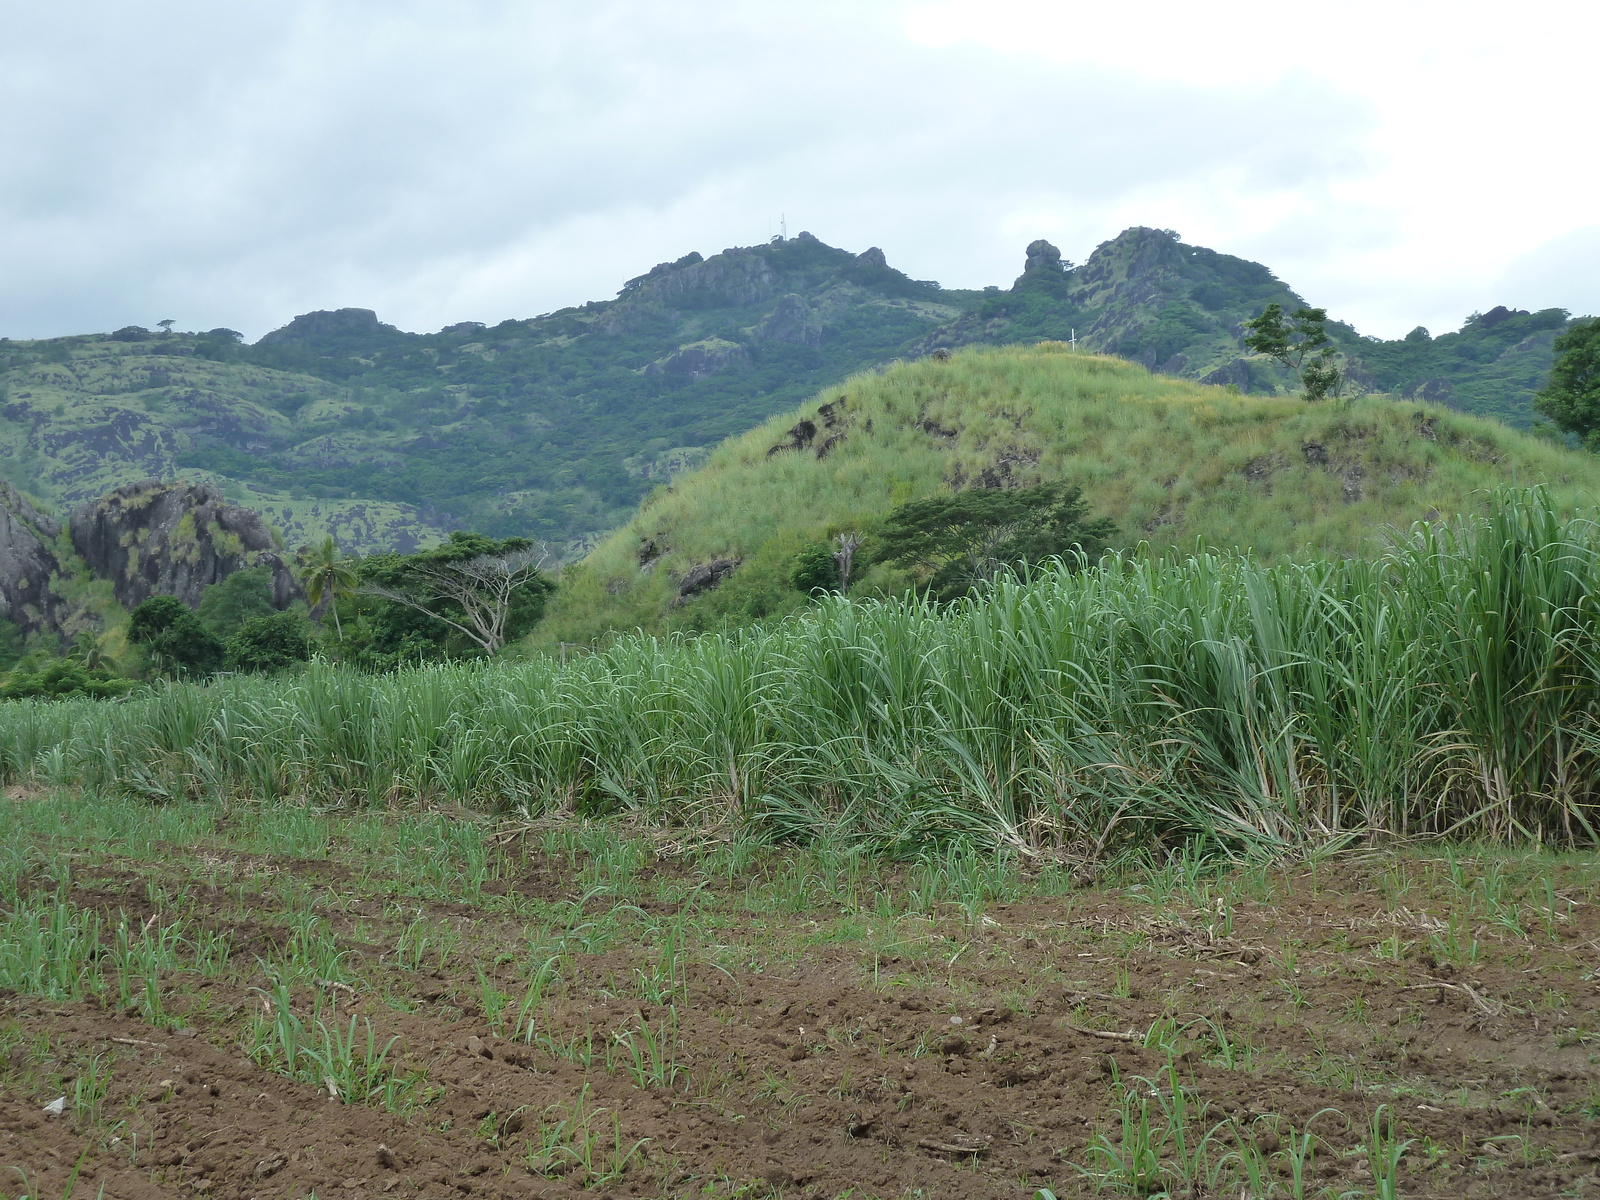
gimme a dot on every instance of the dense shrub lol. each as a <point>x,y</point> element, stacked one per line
<point>271,643</point>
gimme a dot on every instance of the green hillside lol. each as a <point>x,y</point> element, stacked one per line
<point>557,426</point>
<point>81,415</point>
<point>1171,462</point>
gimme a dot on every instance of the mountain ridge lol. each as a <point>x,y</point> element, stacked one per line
<point>558,426</point>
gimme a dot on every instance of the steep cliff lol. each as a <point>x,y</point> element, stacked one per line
<point>175,539</point>
<point>27,563</point>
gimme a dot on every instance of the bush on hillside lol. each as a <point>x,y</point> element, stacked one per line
<point>815,569</point>
<point>173,636</point>
<point>956,541</point>
<point>270,643</point>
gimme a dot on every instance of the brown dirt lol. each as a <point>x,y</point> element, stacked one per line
<point>825,1051</point>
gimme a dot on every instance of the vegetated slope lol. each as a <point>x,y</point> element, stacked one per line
<point>556,426</point>
<point>82,416</point>
<point>1172,462</point>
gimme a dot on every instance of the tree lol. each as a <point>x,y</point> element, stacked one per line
<point>174,637</point>
<point>166,325</point>
<point>1301,344</point>
<point>961,539</point>
<point>327,578</point>
<point>845,556</point>
<point>1571,398</point>
<point>270,643</point>
<point>487,591</point>
<point>226,605</point>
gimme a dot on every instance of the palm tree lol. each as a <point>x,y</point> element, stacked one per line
<point>327,578</point>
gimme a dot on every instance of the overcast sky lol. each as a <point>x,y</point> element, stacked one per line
<point>235,164</point>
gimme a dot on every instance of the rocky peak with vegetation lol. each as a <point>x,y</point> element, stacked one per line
<point>175,539</point>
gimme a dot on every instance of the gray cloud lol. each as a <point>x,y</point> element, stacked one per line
<point>233,165</point>
<point>1563,272</point>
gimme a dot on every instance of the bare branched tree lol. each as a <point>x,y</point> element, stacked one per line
<point>483,588</point>
<point>845,556</point>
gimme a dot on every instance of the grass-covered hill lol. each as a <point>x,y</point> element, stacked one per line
<point>557,426</point>
<point>1170,461</point>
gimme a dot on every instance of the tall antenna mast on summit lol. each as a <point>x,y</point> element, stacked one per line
<point>783,226</point>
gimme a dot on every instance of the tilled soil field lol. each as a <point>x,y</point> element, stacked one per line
<point>231,1002</point>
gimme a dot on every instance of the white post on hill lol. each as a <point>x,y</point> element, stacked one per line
<point>1073,341</point>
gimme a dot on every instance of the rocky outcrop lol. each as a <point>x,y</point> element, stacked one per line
<point>27,563</point>
<point>733,279</point>
<point>325,326</point>
<point>1137,268</point>
<point>1043,269</point>
<point>1436,391</point>
<point>803,434</point>
<point>698,360</point>
<point>1230,374</point>
<point>175,539</point>
<point>791,321</point>
<point>702,577</point>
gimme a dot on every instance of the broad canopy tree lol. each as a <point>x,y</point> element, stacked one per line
<point>486,590</point>
<point>958,540</point>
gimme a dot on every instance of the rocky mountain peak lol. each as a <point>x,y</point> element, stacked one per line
<point>1042,256</point>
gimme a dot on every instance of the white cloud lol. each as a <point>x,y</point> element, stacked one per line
<point>236,164</point>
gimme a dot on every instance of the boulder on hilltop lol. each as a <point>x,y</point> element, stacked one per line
<point>175,539</point>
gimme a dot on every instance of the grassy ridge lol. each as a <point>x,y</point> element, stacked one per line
<point>1448,685</point>
<point>1172,462</point>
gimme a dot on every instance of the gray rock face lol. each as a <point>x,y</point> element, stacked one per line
<point>1438,391</point>
<point>175,539</point>
<point>1235,373</point>
<point>734,278</point>
<point>1042,256</point>
<point>27,563</point>
<point>791,321</point>
<point>702,577</point>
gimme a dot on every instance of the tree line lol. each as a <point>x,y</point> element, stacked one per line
<point>468,597</point>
